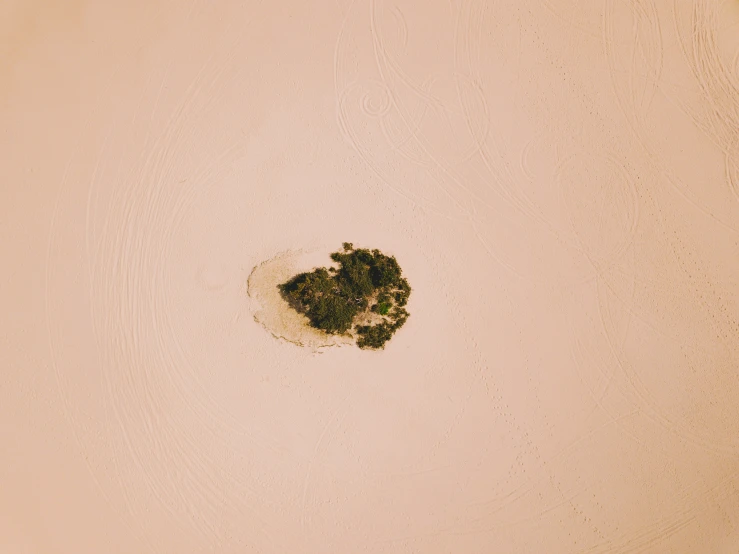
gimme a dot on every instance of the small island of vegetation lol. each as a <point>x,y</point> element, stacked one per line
<point>364,297</point>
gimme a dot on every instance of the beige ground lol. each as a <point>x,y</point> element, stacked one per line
<point>560,181</point>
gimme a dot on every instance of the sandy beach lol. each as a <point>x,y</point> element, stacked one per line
<point>559,181</point>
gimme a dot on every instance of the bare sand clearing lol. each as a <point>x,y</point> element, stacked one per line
<point>559,181</point>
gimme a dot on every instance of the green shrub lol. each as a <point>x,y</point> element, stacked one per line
<point>366,280</point>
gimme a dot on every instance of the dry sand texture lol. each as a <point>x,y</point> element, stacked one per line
<point>559,180</point>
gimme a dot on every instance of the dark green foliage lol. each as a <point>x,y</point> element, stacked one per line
<point>374,336</point>
<point>364,281</point>
<point>381,308</point>
<point>333,314</point>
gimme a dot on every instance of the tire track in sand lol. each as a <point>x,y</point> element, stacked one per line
<point>647,39</point>
<point>75,426</point>
<point>717,78</point>
<point>126,268</point>
<point>491,151</point>
<point>392,83</point>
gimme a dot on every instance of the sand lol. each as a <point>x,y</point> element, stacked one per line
<point>559,181</point>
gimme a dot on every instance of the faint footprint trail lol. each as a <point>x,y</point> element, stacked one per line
<point>636,74</point>
<point>718,121</point>
<point>705,426</point>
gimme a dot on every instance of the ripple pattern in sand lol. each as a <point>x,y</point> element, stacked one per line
<point>169,441</point>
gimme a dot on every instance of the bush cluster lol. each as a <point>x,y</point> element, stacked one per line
<point>364,281</point>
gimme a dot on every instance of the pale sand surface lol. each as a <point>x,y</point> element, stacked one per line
<point>559,181</point>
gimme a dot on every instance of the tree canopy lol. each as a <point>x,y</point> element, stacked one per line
<point>364,296</point>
